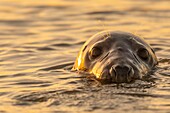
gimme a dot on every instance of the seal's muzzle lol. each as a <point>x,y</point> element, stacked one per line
<point>121,73</point>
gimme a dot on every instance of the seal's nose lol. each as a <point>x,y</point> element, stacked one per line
<point>121,73</point>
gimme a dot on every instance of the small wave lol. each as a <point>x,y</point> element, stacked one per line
<point>106,12</point>
<point>59,66</point>
<point>45,48</point>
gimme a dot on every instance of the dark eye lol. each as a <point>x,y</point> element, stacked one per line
<point>95,52</point>
<point>143,53</point>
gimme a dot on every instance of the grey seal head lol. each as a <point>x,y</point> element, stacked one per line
<point>116,56</point>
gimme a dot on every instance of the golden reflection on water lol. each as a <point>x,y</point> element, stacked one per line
<point>39,38</point>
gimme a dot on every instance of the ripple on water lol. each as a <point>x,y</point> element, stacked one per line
<point>40,41</point>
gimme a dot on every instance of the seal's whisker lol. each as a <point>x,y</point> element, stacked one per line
<point>108,34</point>
<point>104,28</point>
<point>105,56</point>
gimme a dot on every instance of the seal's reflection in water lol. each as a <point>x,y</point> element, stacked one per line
<point>116,57</point>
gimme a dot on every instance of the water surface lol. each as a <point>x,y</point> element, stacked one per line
<point>39,41</point>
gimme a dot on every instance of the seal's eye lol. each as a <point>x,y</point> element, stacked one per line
<point>143,54</point>
<point>95,52</point>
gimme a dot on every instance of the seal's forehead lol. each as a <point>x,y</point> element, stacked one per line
<point>114,36</point>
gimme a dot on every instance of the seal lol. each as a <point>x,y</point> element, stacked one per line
<point>116,56</point>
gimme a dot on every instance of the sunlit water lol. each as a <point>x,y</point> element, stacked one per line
<point>39,41</point>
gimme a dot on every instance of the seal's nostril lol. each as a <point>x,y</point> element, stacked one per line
<point>121,73</point>
<point>122,69</point>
